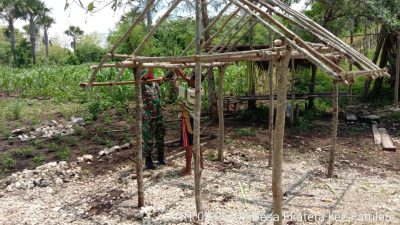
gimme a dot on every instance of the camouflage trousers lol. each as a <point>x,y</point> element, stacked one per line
<point>153,131</point>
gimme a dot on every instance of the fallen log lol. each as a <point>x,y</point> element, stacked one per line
<point>387,142</point>
<point>377,135</point>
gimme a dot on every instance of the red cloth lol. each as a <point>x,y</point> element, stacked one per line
<point>185,140</point>
<point>150,76</point>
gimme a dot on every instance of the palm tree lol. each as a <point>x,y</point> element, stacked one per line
<point>45,22</point>
<point>10,11</point>
<point>74,32</point>
<point>33,9</point>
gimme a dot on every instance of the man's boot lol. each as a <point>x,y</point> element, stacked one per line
<point>188,156</point>
<point>149,163</point>
<point>161,157</point>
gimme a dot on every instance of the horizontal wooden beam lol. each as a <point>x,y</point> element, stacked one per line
<point>162,65</point>
<point>130,82</point>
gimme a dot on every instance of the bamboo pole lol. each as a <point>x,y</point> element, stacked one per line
<point>223,25</point>
<point>197,112</point>
<point>208,27</point>
<point>293,93</point>
<point>295,38</point>
<point>293,45</point>
<point>155,28</point>
<point>335,115</point>
<point>139,147</point>
<point>396,88</point>
<point>237,41</point>
<point>331,39</point>
<point>282,72</point>
<point>221,72</point>
<point>116,45</point>
<point>165,65</point>
<point>119,75</point>
<point>271,104</point>
<point>130,82</point>
<point>222,40</point>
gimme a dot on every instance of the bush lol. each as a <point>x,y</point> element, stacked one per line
<point>248,131</point>
<point>63,153</point>
<point>38,160</point>
<point>25,152</point>
<point>15,110</point>
<point>9,162</point>
<point>94,109</point>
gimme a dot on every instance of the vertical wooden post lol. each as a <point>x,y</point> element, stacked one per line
<point>221,71</point>
<point>350,89</point>
<point>139,146</point>
<point>293,94</point>
<point>271,102</point>
<point>282,72</point>
<point>335,118</point>
<point>312,87</point>
<point>396,88</point>
<point>197,111</point>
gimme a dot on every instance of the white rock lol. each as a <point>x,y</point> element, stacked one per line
<point>87,158</point>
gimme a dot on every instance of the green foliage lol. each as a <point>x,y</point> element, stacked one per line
<point>246,132</point>
<point>27,152</point>
<point>4,133</point>
<point>395,116</point>
<point>38,160</point>
<point>15,110</point>
<point>95,109</point>
<point>63,153</point>
<point>88,49</point>
<point>8,161</point>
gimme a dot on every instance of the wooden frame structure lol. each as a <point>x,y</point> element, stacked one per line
<point>325,55</point>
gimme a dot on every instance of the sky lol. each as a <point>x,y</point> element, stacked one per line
<point>101,22</point>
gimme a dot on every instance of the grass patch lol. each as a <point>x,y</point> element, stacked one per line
<point>395,116</point>
<point>27,152</point>
<point>245,132</point>
<point>63,153</point>
<point>8,161</point>
<point>38,160</point>
<point>15,110</point>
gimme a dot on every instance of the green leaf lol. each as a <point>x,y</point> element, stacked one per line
<point>90,7</point>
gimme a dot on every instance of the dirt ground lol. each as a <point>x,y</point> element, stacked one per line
<point>365,190</point>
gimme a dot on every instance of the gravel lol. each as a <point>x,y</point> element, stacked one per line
<point>236,192</point>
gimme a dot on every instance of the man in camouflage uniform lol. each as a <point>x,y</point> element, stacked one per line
<point>153,122</point>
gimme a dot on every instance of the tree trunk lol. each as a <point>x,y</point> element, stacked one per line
<point>139,145</point>
<point>350,88</point>
<point>74,43</point>
<point>46,41</point>
<point>380,47</point>
<point>282,73</point>
<point>212,96</point>
<point>250,70</point>
<point>221,71</point>
<point>197,112</point>
<point>12,39</point>
<point>149,18</point>
<point>293,93</point>
<point>396,87</point>
<point>32,34</point>
<point>382,64</point>
<point>335,117</point>
<point>312,87</point>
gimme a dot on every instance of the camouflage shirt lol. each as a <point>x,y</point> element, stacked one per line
<point>151,100</point>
